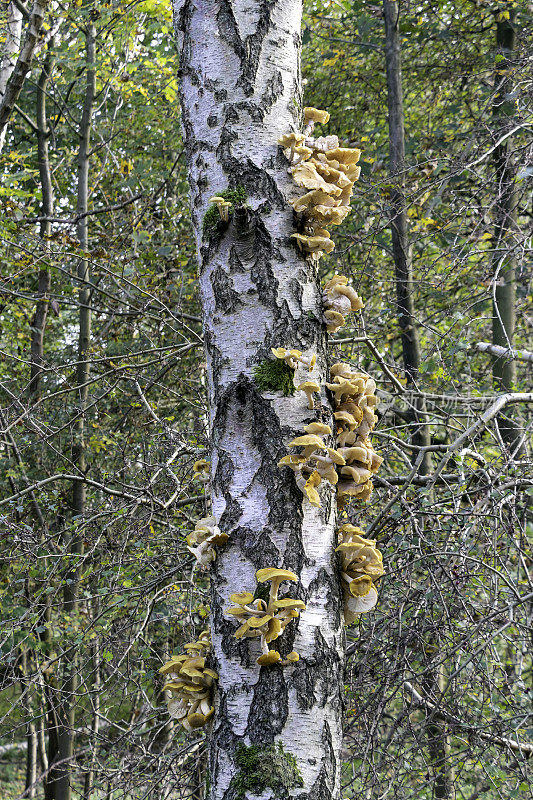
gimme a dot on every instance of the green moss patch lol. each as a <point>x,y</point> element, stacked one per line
<point>261,768</point>
<point>274,376</point>
<point>211,219</point>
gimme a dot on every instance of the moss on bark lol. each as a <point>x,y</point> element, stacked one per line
<point>268,767</point>
<point>274,376</point>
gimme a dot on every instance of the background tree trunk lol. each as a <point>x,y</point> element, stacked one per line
<point>504,298</point>
<point>240,91</point>
<point>38,323</point>
<point>399,229</point>
<point>67,709</point>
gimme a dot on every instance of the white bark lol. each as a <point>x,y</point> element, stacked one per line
<point>240,91</point>
<point>15,73</point>
<point>11,33</point>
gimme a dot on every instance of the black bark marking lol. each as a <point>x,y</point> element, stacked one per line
<point>270,707</point>
<point>226,298</point>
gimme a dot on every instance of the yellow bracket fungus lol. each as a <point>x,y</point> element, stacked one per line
<point>266,620</point>
<point>327,172</point>
<point>361,565</point>
<point>191,683</point>
<point>293,357</point>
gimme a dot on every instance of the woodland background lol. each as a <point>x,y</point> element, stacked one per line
<point>100,430</point>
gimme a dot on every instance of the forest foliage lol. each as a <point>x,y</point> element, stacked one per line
<point>98,590</point>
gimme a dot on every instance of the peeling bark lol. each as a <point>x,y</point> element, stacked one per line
<point>240,91</point>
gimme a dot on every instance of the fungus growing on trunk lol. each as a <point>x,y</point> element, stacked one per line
<point>190,683</point>
<point>327,173</point>
<point>200,470</point>
<point>339,301</point>
<point>201,541</point>
<point>264,619</point>
<point>309,388</point>
<point>292,357</point>
<point>361,565</point>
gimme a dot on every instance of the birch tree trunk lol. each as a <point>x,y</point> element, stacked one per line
<point>11,31</point>
<point>240,91</point>
<point>18,72</point>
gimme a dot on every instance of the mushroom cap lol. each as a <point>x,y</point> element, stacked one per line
<point>360,587</point>
<point>292,461</point>
<point>345,417</point>
<point>356,473</point>
<point>303,151</point>
<point>310,200</point>
<point>352,530</point>
<point>173,665</point>
<point>315,115</point>
<point>236,611</point>
<point>360,605</point>
<point>219,538</point>
<point>281,352</point>
<point>334,320</point>
<point>242,630</point>
<point>258,622</point>
<point>329,215</point>
<point>310,488</point>
<point>274,629</point>
<point>306,175</point>
<point>349,489</point>
<point>341,280</point>
<point>289,603</point>
<point>336,457</point>
<point>350,293</point>
<point>310,440</point>
<point>272,657</point>
<point>318,428</point>
<point>344,155</point>
<point>342,369</point>
<point>196,720</point>
<point>273,573</point>
<point>314,244</point>
<point>293,657</point>
<point>242,598</point>
<point>220,201</point>
<point>291,139</point>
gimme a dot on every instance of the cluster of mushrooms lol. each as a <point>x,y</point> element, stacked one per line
<point>190,683</point>
<point>361,565</point>
<point>315,462</point>
<point>327,172</point>
<point>201,541</point>
<point>266,620</point>
<point>355,399</point>
<point>339,300</point>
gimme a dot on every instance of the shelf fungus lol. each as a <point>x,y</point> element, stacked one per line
<point>315,463</point>
<point>190,683</point>
<point>355,399</point>
<point>293,357</point>
<point>266,619</point>
<point>201,541</point>
<point>361,565</point>
<point>327,173</point>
